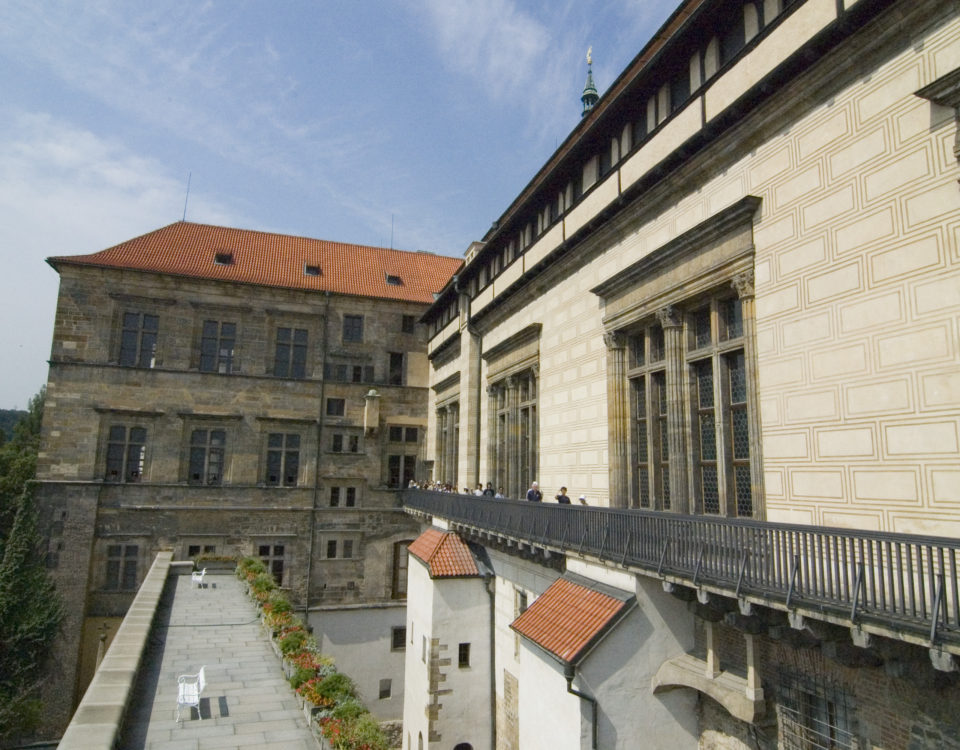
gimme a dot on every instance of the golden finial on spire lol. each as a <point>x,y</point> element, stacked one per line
<point>590,55</point>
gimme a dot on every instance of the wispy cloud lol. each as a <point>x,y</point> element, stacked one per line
<point>66,191</point>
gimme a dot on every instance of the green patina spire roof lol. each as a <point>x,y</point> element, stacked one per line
<point>590,95</point>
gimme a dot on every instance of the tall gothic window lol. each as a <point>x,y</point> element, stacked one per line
<point>692,378</point>
<point>516,440</point>
<point>448,438</point>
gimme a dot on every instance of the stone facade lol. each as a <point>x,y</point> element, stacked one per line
<point>224,457</point>
<point>735,288</point>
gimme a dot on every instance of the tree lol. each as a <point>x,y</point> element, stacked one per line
<point>30,610</point>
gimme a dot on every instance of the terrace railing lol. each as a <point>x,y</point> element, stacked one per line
<point>894,582</point>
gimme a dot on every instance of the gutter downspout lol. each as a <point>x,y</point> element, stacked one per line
<point>491,585</point>
<point>569,673</point>
<point>316,462</point>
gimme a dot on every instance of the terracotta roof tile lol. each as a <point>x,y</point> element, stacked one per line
<point>570,616</point>
<point>445,554</point>
<point>187,249</point>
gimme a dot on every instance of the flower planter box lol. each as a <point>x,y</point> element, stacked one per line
<point>217,566</point>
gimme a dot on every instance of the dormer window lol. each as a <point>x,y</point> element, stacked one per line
<point>223,258</point>
<point>309,270</point>
<point>394,280</point>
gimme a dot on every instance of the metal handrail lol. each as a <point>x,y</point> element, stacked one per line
<point>906,581</point>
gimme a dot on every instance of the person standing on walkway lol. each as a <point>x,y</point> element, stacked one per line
<point>534,495</point>
<point>562,496</point>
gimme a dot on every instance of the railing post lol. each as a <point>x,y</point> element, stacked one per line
<point>793,578</point>
<point>856,592</point>
<point>935,617</point>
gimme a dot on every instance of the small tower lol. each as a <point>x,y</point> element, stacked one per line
<point>590,95</point>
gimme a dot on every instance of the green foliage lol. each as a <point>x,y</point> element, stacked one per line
<point>30,609</point>
<point>300,676</point>
<point>250,567</point>
<point>293,641</point>
<point>9,418</point>
<point>351,708</point>
<point>336,687</point>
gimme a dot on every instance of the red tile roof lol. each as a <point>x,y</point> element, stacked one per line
<point>445,554</point>
<point>570,617</point>
<point>278,260</point>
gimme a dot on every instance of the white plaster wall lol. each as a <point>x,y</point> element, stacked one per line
<point>416,676</point>
<point>550,717</point>
<point>359,640</point>
<point>461,614</point>
<point>452,611</point>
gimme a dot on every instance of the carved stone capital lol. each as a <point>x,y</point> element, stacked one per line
<point>493,390</point>
<point>669,317</point>
<point>615,340</point>
<point>742,284</point>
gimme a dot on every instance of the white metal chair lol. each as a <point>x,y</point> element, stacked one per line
<point>189,689</point>
<point>197,578</point>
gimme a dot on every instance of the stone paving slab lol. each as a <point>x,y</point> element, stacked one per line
<point>247,703</point>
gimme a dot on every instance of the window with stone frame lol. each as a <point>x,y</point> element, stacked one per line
<point>402,434</point>
<point>121,567</point>
<point>353,329</point>
<point>400,564</point>
<point>207,453</point>
<point>448,442</point>
<point>274,556</point>
<point>217,346</point>
<point>340,548</point>
<point>345,442</point>
<point>138,339</point>
<point>345,497</point>
<point>290,353</point>
<point>336,407</point>
<point>408,323</point>
<point>126,453</point>
<point>395,368</point>
<point>401,470</point>
<point>283,459</point>
<point>708,388</point>
<point>516,431</point>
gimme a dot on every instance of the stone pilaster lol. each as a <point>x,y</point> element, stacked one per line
<point>618,419</point>
<point>743,285</point>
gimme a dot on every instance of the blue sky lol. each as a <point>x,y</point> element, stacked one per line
<point>348,120</point>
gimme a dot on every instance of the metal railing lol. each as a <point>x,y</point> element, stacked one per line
<point>900,581</point>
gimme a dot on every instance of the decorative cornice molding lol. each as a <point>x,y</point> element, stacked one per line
<point>521,337</point>
<point>738,215</point>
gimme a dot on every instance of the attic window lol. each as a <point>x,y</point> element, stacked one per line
<point>394,280</point>
<point>309,270</point>
<point>224,258</point>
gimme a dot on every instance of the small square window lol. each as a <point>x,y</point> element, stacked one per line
<point>336,407</point>
<point>385,688</point>
<point>347,548</point>
<point>398,638</point>
<point>408,323</point>
<point>331,549</point>
<point>463,655</point>
<point>309,270</point>
<point>396,434</point>
<point>394,280</point>
<point>223,258</point>
<point>410,435</point>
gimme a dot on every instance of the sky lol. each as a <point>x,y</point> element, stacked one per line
<point>397,123</point>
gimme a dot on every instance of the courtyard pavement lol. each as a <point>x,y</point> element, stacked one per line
<point>247,702</point>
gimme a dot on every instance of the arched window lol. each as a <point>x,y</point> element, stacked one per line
<point>463,746</point>
<point>419,740</point>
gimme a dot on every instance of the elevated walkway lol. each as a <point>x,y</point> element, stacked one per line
<point>247,702</point>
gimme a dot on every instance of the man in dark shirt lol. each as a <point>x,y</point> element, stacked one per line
<point>534,495</point>
<point>562,497</point>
